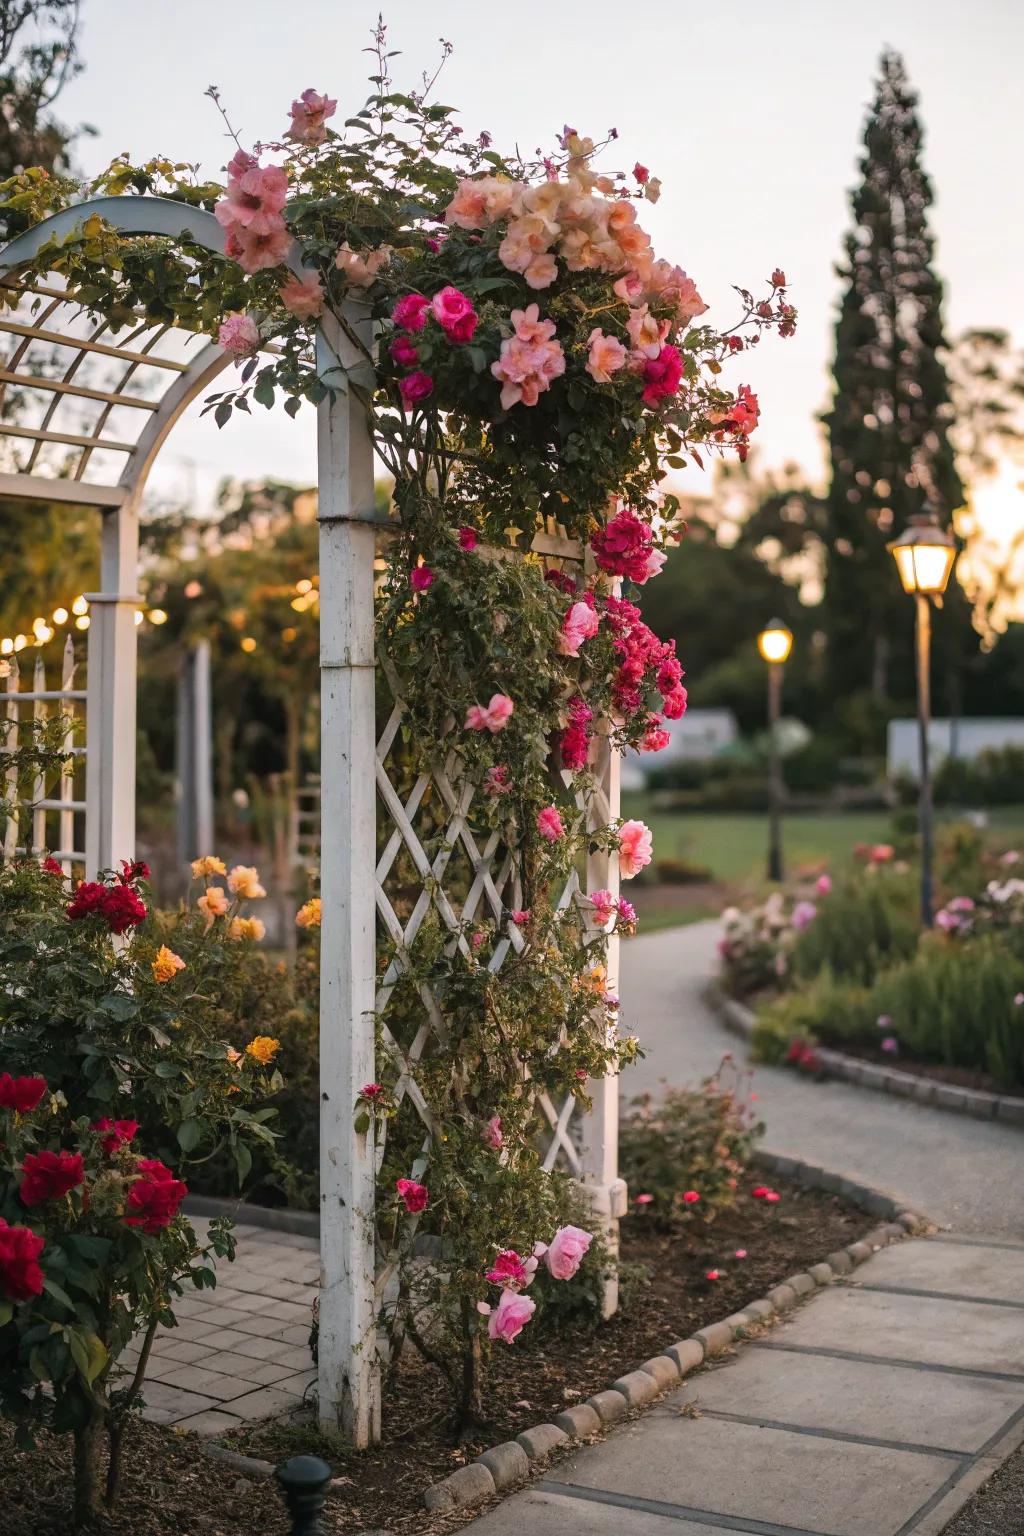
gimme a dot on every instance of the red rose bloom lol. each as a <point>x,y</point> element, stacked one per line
<point>20,1275</point>
<point>154,1198</point>
<point>414,1196</point>
<point>120,906</point>
<point>21,1094</point>
<point>116,1133</point>
<point>53,868</point>
<point>662,375</point>
<point>50,1175</point>
<point>623,546</point>
<point>133,869</point>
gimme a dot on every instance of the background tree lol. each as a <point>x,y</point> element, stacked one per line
<point>38,56</point>
<point>891,451</point>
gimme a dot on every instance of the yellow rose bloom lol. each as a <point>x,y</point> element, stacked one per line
<point>244,880</point>
<point>263,1049</point>
<point>308,915</point>
<point>214,903</point>
<point>246,928</point>
<point>166,964</point>
<point>210,865</point>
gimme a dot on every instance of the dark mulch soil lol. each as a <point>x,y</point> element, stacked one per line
<point>171,1489</point>
<point>959,1077</point>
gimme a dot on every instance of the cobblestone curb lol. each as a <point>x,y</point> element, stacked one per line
<point>473,1484</point>
<point>738,1018</point>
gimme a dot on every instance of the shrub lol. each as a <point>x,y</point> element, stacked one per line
<point>113,1079</point>
<point>822,1010</point>
<point>684,1157</point>
<point>867,921</point>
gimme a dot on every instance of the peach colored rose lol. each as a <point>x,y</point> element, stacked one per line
<point>607,355</point>
<point>303,297</point>
<point>213,904</point>
<point>361,269</point>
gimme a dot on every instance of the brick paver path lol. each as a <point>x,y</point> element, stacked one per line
<point>241,1351</point>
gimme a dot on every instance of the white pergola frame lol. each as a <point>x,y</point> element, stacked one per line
<point>349,1373</point>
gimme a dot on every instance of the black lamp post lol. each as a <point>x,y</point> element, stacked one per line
<point>924,556</point>
<point>774,642</point>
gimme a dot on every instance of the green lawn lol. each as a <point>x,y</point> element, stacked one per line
<point>734,846</point>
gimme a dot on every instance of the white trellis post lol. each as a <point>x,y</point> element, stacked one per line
<point>599,1150</point>
<point>348,1367</point>
<point>110,705</point>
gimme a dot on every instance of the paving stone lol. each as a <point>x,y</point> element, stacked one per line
<point>212,1421</point>
<point>761,1310</point>
<point>1011,1110</point>
<point>168,1405</point>
<point>968,1335</point>
<point>181,1351</point>
<point>760,1474</point>
<point>610,1405</point>
<point>997,1275</point>
<point>258,1373</point>
<point>664,1370</point>
<point>507,1463</point>
<point>636,1387</point>
<point>687,1354</point>
<point>950,1098</point>
<point>213,1384</point>
<point>580,1420</point>
<point>715,1338</point>
<point>542,1439</point>
<point>539,1512</point>
<point>264,1403</point>
<point>856,1398</point>
<point>782,1297</point>
<point>467,1486</point>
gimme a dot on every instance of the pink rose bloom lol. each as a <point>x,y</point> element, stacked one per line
<point>630,288</point>
<point>421,579</point>
<point>566,1251</point>
<point>303,297</point>
<point>635,848</point>
<point>496,781</point>
<point>823,884</point>
<point>674,703</point>
<point>257,253</point>
<point>508,1319</point>
<point>468,539</point>
<point>549,824</point>
<point>530,360</point>
<point>239,335</point>
<point>881,853</point>
<point>494,718</point>
<point>655,560</point>
<point>521,916</point>
<point>804,914</point>
<point>411,312</point>
<point>655,737</point>
<point>662,375</point>
<point>492,1133</point>
<point>643,1199</point>
<point>468,208</point>
<point>454,313</point>
<point>254,199</point>
<point>580,623</point>
<point>605,907</point>
<point>415,387</point>
<point>403,352</point>
<point>890,1044</point>
<point>541,272</point>
<point>413,1196</point>
<point>509,1270</point>
<point>690,1197</point>
<point>309,116</point>
<point>627,913</point>
<point>607,355</point>
<point>624,546</point>
<point>528,326</point>
<point>646,332</point>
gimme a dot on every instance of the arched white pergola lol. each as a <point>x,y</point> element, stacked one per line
<point>87,412</point>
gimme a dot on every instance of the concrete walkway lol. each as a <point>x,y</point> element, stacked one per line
<point>876,1410</point>
<point>962,1172</point>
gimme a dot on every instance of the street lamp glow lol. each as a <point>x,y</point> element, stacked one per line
<point>775,641</point>
<point>924,555</point>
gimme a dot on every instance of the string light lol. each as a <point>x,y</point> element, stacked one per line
<point>82,622</point>
<point>248,644</point>
<point>60,615</point>
<point>157,616</point>
<point>79,606</point>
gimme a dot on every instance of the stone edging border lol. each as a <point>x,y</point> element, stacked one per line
<point>737,1017</point>
<point>506,1466</point>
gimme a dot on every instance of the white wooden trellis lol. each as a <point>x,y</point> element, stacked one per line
<point>123,422</point>
<point>54,807</point>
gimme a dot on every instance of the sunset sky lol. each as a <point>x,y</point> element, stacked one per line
<point>750,116</point>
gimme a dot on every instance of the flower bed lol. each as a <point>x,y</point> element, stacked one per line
<point>845,965</point>
<point>667,1296</point>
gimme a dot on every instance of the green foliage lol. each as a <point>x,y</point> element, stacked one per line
<point>822,1009</point>
<point>867,921</point>
<point>994,777</point>
<point>696,1141</point>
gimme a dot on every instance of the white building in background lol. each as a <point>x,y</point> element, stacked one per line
<point>700,734</point>
<point>963,738</point>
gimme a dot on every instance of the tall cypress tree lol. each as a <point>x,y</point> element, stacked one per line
<point>889,421</point>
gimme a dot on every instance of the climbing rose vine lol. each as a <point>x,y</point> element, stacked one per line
<point>537,370</point>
